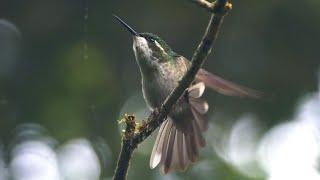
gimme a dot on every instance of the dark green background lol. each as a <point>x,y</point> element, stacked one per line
<point>267,45</point>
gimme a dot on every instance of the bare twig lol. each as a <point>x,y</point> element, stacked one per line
<point>212,7</point>
<point>204,4</point>
<point>219,10</point>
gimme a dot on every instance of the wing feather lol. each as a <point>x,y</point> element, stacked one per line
<point>225,87</point>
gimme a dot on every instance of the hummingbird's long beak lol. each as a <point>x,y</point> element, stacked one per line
<point>130,29</point>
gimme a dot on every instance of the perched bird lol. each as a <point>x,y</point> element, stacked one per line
<point>180,136</point>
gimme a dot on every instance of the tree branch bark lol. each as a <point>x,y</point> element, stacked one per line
<point>131,140</point>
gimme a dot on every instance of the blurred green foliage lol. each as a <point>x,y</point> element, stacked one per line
<point>268,45</point>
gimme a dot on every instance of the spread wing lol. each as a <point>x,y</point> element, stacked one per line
<point>219,84</point>
<point>225,87</point>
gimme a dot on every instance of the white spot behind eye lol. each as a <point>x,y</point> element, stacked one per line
<point>159,46</point>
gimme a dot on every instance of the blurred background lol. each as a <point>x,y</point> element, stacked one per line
<point>68,74</point>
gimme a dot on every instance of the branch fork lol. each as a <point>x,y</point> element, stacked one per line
<point>214,7</point>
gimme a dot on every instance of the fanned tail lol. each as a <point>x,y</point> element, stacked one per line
<point>180,139</point>
<point>175,149</point>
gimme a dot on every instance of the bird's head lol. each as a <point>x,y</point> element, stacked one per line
<point>148,46</point>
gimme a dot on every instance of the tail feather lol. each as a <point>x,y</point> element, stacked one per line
<point>200,120</point>
<point>158,146</point>
<point>165,142</point>
<point>168,153</point>
<point>198,107</point>
<point>180,139</point>
<point>184,151</point>
<point>181,150</point>
<point>196,90</point>
<point>176,148</point>
<point>180,158</point>
<point>201,106</point>
<point>200,142</point>
<point>194,151</point>
<point>177,156</point>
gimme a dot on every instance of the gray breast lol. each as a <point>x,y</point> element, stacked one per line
<point>158,85</point>
<point>155,90</point>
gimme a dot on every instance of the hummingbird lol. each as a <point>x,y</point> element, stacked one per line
<point>180,138</point>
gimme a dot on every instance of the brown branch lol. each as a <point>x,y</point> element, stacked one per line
<point>124,160</point>
<point>219,9</point>
<point>213,7</point>
<point>204,4</point>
